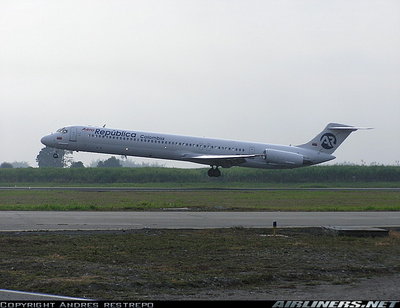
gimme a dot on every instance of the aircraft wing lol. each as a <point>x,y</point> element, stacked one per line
<point>225,161</point>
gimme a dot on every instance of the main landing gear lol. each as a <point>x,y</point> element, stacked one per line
<point>214,172</point>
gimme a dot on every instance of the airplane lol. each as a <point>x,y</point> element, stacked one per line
<point>213,152</point>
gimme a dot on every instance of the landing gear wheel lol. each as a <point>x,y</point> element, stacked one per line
<point>214,172</point>
<point>55,155</point>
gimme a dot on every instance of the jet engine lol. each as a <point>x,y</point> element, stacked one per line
<point>284,158</point>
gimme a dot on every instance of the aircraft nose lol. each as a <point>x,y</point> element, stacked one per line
<point>46,140</point>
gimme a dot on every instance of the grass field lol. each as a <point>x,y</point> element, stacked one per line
<point>169,264</point>
<point>215,184</point>
<point>176,264</point>
<point>322,176</point>
<point>201,200</point>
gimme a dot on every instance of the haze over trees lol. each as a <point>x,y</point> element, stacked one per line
<point>112,162</point>
<point>6,165</point>
<point>64,159</point>
<point>127,163</point>
<point>77,164</point>
<point>15,164</point>
<point>20,164</point>
<point>46,159</point>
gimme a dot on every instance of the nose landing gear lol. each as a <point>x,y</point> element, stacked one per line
<point>214,172</point>
<point>55,155</point>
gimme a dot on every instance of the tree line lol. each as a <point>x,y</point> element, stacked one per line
<point>49,158</point>
<point>314,174</point>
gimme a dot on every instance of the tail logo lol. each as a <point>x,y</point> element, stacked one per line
<point>328,141</point>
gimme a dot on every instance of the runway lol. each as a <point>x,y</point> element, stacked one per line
<point>58,221</point>
<point>180,189</point>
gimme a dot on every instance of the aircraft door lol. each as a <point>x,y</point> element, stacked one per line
<point>72,134</point>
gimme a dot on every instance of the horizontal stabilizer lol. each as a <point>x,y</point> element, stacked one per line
<point>351,128</point>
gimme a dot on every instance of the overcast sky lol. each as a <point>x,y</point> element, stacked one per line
<point>265,71</point>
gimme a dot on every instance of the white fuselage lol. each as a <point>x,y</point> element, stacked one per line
<point>214,152</point>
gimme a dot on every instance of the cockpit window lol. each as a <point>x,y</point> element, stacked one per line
<point>62,130</point>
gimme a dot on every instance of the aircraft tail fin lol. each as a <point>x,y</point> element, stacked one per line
<point>330,138</point>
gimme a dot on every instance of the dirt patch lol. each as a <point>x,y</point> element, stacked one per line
<point>385,288</point>
<point>234,263</point>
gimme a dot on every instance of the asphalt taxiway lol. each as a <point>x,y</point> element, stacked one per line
<point>180,189</point>
<point>78,220</point>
